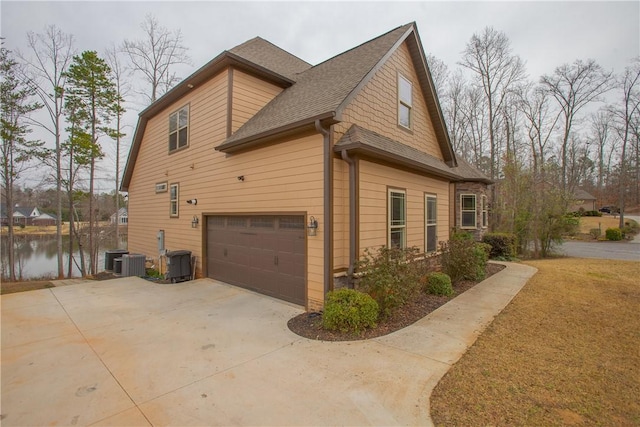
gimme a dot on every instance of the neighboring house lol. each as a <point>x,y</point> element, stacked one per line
<point>123,217</point>
<point>583,200</point>
<point>25,215</point>
<point>45,219</point>
<point>277,175</point>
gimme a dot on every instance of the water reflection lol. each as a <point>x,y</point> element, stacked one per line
<point>36,255</point>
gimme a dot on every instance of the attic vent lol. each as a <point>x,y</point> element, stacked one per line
<point>161,187</point>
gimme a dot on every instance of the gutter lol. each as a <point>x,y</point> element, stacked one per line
<point>352,215</point>
<point>328,206</point>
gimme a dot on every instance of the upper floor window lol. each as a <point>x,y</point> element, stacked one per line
<point>397,219</point>
<point>405,101</point>
<point>468,211</point>
<point>179,129</point>
<point>174,190</point>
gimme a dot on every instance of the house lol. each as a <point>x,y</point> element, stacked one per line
<point>21,215</point>
<point>44,220</point>
<point>583,200</point>
<point>277,174</point>
<point>123,217</point>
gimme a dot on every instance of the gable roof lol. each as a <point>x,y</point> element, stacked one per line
<point>310,93</point>
<point>365,142</point>
<point>580,194</point>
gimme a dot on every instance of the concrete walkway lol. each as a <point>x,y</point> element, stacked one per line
<point>131,352</point>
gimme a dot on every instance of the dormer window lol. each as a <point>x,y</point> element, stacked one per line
<point>405,101</point>
<point>179,129</point>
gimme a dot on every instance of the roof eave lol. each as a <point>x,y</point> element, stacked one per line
<point>269,135</point>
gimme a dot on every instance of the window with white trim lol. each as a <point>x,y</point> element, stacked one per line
<point>174,198</point>
<point>397,219</point>
<point>485,212</point>
<point>179,129</point>
<point>468,211</point>
<point>431,222</point>
<point>405,101</point>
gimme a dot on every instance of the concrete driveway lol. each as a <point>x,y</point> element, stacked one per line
<point>131,352</point>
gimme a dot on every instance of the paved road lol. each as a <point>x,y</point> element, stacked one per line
<point>625,251</point>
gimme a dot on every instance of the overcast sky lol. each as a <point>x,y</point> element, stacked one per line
<point>544,34</point>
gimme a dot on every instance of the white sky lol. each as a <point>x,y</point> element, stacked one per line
<point>544,34</point>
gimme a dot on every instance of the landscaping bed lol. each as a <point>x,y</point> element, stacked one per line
<point>309,325</point>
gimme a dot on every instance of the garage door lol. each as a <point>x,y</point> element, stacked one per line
<point>263,253</point>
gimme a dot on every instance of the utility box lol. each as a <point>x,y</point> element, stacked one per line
<point>110,256</point>
<point>133,265</point>
<point>178,266</point>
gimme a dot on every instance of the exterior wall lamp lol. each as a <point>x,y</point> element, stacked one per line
<point>312,227</point>
<point>194,222</point>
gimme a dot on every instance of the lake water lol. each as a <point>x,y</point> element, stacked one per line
<point>36,256</point>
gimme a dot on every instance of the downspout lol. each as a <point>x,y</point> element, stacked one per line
<point>328,203</point>
<point>352,215</point>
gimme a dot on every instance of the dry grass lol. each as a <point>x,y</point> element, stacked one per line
<point>566,351</point>
<point>603,222</point>
<point>30,285</point>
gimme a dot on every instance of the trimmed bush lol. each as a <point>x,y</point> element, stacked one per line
<point>464,259</point>
<point>613,234</point>
<point>390,276</point>
<point>439,284</point>
<point>502,244</point>
<point>595,233</point>
<point>348,310</point>
<point>630,228</point>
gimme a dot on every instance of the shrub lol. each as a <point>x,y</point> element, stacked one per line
<point>439,284</point>
<point>348,310</point>
<point>595,233</point>
<point>390,276</point>
<point>630,228</point>
<point>464,259</point>
<point>502,244</point>
<point>613,234</point>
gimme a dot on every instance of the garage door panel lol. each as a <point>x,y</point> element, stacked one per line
<point>261,253</point>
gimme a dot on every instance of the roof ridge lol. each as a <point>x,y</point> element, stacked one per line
<point>361,44</point>
<point>256,38</point>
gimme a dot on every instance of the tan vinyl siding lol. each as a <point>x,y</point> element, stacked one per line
<point>374,181</point>
<point>250,94</point>
<point>376,107</point>
<point>279,178</point>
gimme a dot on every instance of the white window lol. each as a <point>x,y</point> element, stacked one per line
<point>468,211</point>
<point>397,219</point>
<point>405,102</point>
<point>431,223</point>
<point>174,197</point>
<point>179,129</point>
<point>485,212</point>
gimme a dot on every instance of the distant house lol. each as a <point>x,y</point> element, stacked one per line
<point>278,175</point>
<point>26,216</point>
<point>583,200</point>
<point>123,217</point>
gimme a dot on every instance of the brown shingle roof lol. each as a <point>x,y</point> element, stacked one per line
<point>320,90</point>
<point>372,144</point>
<point>264,53</point>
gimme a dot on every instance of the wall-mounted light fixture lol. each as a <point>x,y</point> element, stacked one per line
<point>312,227</point>
<point>241,178</point>
<point>194,222</point>
<point>192,201</point>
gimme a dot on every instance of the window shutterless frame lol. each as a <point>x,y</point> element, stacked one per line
<point>405,101</point>
<point>431,223</point>
<point>485,212</point>
<point>179,129</point>
<point>174,200</point>
<point>468,214</point>
<point>397,219</point>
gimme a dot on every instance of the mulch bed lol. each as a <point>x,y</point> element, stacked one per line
<point>309,325</point>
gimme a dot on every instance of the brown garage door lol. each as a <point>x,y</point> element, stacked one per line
<point>263,253</point>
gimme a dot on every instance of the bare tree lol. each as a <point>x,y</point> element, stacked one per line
<point>119,74</point>
<point>601,135</point>
<point>439,73</point>
<point>16,149</point>
<point>489,56</point>
<point>155,55</point>
<point>574,86</point>
<point>627,113</point>
<point>51,52</point>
